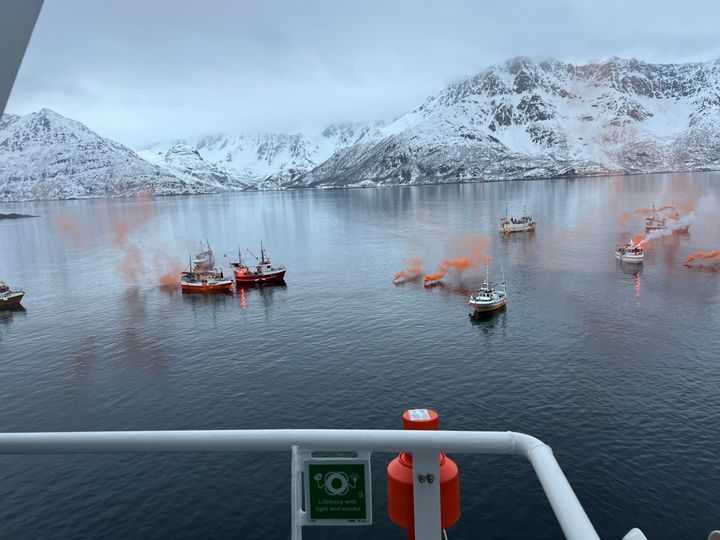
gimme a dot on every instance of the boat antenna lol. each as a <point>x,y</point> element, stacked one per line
<point>504,283</point>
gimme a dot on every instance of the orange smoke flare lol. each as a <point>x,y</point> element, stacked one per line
<point>430,278</point>
<point>413,272</point>
<point>699,255</point>
<point>642,211</point>
<point>476,246</point>
<point>638,239</point>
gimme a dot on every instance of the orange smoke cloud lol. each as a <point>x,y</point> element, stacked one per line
<point>642,211</point>
<point>171,277</point>
<point>475,246</point>
<point>131,267</point>
<point>699,255</point>
<point>665,207</point>
<point>638,239</point>
<point>168,269</point>
<point>430,278</point>
<point>411,273</point>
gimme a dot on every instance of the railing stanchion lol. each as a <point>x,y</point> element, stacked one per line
<point>426,495</point>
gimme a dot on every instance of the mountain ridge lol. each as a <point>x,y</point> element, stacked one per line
<point>515,120</point>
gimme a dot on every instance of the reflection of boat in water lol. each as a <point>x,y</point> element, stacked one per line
<point>204,283</point>
<point>630,253</point>
<point>488,298</point>
<point>521,224</point>
<point>655,222</point>
<point>264,272</point>
<point>10,297</point>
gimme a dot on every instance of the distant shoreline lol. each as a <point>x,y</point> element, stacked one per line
<point>16,216</point>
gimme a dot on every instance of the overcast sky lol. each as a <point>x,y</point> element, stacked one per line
<point>145,70</point>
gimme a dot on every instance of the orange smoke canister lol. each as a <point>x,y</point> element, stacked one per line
<point>400,479</point>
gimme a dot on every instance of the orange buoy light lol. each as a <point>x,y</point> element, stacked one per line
<point>400,479</point>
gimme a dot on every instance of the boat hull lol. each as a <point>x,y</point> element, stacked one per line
<point>509,229</point>
<point>220,287</point>
<point>636,259</point>
<point>251,278</point>
<point>11,299</point>
<point>486,308</point>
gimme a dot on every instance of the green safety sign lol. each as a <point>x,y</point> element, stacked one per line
<point>337,491</point>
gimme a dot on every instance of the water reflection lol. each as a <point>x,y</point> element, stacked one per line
<point>8,316</point>
<point>488,323</point>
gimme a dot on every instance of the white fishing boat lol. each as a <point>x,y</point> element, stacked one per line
<point>488,297</point>
<point>655,222</point>
<point>630,252</point>
<point>524,223</point>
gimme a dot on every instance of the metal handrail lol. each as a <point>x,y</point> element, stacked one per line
<point>569,512</point>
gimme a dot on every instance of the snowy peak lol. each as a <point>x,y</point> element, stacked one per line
<point>266,160</point>
<point>44,155</point>
<point>527,119</point>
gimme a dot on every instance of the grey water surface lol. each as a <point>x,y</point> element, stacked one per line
<point>616,367</point>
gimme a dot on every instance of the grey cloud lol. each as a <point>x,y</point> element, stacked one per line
<point>140,71</point>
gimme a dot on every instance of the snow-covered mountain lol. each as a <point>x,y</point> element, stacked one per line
<point>523,119</point>
<point>516,120</point>
<point>46,156</point>
<point>263,160</point>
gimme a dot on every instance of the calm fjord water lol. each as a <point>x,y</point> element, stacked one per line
<point>616,368</point>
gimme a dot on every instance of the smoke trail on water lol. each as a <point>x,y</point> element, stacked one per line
<point>713,256</point>
<point>411,273</point>
<point>475,247</point>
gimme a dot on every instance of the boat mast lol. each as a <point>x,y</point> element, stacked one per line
<point>504,283</point>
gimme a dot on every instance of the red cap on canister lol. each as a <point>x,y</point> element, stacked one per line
<point>424,419</point>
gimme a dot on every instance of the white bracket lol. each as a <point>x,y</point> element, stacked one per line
<point>426,493</point>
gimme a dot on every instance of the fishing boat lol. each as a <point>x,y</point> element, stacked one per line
<point>654,221</point>
<point>524,223</point>
<point>264,272</point>
<point>204,283</point>
<point>10,297</point>
<point>204,261</point>
<point>488,298</point>
<point>630,252</point>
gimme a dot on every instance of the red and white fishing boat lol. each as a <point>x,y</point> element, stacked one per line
<point>265,272</point>
<point>203,276</point>
<point>205,283</point>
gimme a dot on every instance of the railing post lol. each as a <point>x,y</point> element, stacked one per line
<point>426,495</point>
<point>298,515</point>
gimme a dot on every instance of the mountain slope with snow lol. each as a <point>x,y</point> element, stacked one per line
<point>44,155</point>
<point>265,160</point>
<point>524,119</point>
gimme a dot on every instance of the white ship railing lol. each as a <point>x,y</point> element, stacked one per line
<point>424,445</point>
